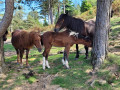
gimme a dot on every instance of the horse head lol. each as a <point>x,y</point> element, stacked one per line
<point>37,40</point>
<point>61,22</point>
<point>5,36</point>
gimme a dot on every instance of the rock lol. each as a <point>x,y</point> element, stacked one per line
<point>102,81</point>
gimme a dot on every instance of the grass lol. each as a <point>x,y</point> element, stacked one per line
<point>74,78</point>
<point>115,23</point>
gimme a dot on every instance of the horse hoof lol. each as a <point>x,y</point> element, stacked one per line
<point>43,68</point>
<point>28,66</point>
<point>48,67</point>
<point>21,66</point>
<point>18,63</point>
<point>67,67</point>
<point>18,70</point>
<point>76,58</point>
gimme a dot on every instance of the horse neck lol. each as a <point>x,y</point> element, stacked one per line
<point>76,25</point>
<point>84,42</point>
<point>69,23</point>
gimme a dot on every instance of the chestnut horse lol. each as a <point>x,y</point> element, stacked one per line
<point>22,40</point>
<point>61,39</point>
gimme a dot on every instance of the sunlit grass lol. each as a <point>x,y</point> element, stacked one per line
<point>73,78</point>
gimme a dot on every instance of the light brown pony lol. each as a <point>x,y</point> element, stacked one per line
<point>22,40</point>
<point>60,39</point>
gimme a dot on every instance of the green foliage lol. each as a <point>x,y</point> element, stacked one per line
<point>85,6</point>
<point>45,23</point>
<point>90,14</point>
<point>17,19</point>
<point>116,7</point>
<point>19,23</point>
<point>115,27</point>
<point>34,15</point>
<point>93,2</point>
<point>76,10</point>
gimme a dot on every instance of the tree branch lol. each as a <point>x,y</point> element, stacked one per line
<point>7,18</point>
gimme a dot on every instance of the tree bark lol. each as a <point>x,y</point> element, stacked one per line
<point>100,41</point>
<point>51,12</point>
<point>64,8</point>
<point>4,24</point>
<point>58,9</point>
<point>2,62</point>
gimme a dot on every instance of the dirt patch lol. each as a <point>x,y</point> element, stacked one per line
<point>9,53</point>
<point>43,83</point>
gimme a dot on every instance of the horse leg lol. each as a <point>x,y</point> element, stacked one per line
<point>18,56</point>
<point>77,52</point>
<point>63,60</point>
<point>86,49</point>
<point>21,56</point>
<point>66,54</point>
<point>27,52</point>
<point>45,57</point>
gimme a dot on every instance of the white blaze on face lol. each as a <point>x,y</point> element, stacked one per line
<point>47,64</point>
<point>44,63</point>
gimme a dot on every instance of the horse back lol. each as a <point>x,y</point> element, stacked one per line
<point>20,39</point>
<point>60,39</point>
<point>90,28</point>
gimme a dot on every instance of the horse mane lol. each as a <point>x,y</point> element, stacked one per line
<point>76,24</point>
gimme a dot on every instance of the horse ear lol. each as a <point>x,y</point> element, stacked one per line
<point>66,12</point>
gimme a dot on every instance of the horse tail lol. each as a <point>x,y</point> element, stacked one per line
<point>12,33</point>
<point>42,40</point>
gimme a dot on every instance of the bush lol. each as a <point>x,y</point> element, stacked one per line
<point>116,7</point>
<point>85,6</point>
<point>88,14</point>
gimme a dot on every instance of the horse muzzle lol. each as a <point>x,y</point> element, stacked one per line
<point>4,39</point>
<point>39,49</point>
<point>56,29</point>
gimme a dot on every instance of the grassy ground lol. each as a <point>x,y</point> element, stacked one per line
<point>77,77</point>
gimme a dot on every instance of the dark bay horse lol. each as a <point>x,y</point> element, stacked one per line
<point>78,26</point>
<point>85,29</point>
<point>71,23</point>
<point>61,39</point>
<point>23,40</point>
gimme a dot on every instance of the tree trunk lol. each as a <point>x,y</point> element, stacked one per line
<point>64,8</point>
<point>2,62</point>
<point>4,24</point>
<point>50,12</point>
<point>51,15</point>
<point>59,9</point>
<point>100,42</point>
